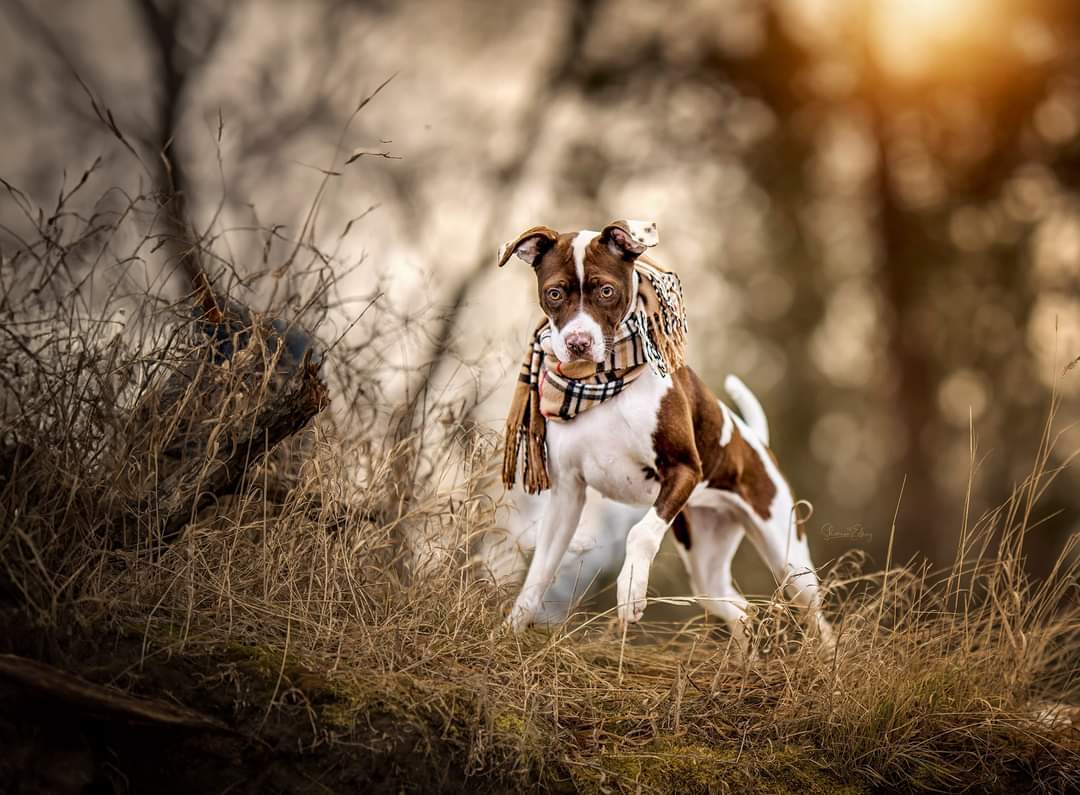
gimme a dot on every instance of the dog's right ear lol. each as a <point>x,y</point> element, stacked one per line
<point>631,238</point>
<point>530,245</point>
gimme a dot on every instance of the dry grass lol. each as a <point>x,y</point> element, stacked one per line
<point>333,591</point>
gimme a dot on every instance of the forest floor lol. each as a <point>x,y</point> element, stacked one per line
<point>208,582</point>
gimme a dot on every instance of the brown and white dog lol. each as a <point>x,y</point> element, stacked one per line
<point>664,442</point>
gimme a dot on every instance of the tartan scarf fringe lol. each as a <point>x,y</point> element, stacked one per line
<point>653,335</point>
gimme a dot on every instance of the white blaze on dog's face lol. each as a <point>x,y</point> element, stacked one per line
<point>585,281</point>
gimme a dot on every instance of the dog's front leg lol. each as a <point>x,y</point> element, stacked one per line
<point>643,541</point>
<point>561,517</point>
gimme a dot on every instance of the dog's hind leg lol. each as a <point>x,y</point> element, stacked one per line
<point>561,517</point>
<point>781,542</point>
<point>707,544</point>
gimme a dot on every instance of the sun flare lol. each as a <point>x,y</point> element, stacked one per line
<point>932,17</point>
<point>913,35</point>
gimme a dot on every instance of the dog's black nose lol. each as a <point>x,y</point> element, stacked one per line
<point>579,345</point>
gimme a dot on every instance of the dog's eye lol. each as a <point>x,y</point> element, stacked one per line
<point>607,291</point>
<point>554,294</point>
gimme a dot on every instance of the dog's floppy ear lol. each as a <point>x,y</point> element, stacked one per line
<point>631,238</point>
<point>530,245</point>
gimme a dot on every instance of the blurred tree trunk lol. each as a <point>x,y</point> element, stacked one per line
<point>162,21</point>
<point>907,256</point>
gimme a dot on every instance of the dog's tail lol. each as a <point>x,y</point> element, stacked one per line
<point>749,407</point>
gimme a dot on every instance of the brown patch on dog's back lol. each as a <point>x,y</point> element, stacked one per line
<point>735,467</point>
<point>741,470</point>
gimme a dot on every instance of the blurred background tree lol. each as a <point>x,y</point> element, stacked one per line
<point>873,203</point>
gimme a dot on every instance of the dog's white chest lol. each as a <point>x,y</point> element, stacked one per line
<point>611,445</point>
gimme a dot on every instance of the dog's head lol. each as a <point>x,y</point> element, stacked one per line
<point>584,281</point>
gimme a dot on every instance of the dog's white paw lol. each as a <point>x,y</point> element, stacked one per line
<point>520,618</point>
<point>631,589</point>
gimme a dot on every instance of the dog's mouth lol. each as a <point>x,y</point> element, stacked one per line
<point>584,357</point>
<point>591,357</point>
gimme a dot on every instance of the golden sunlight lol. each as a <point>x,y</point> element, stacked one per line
<point>913,36</point>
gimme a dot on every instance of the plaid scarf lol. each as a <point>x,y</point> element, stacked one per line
<point>653,334</point>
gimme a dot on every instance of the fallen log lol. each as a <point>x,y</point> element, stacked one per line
<point>86,697</point>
